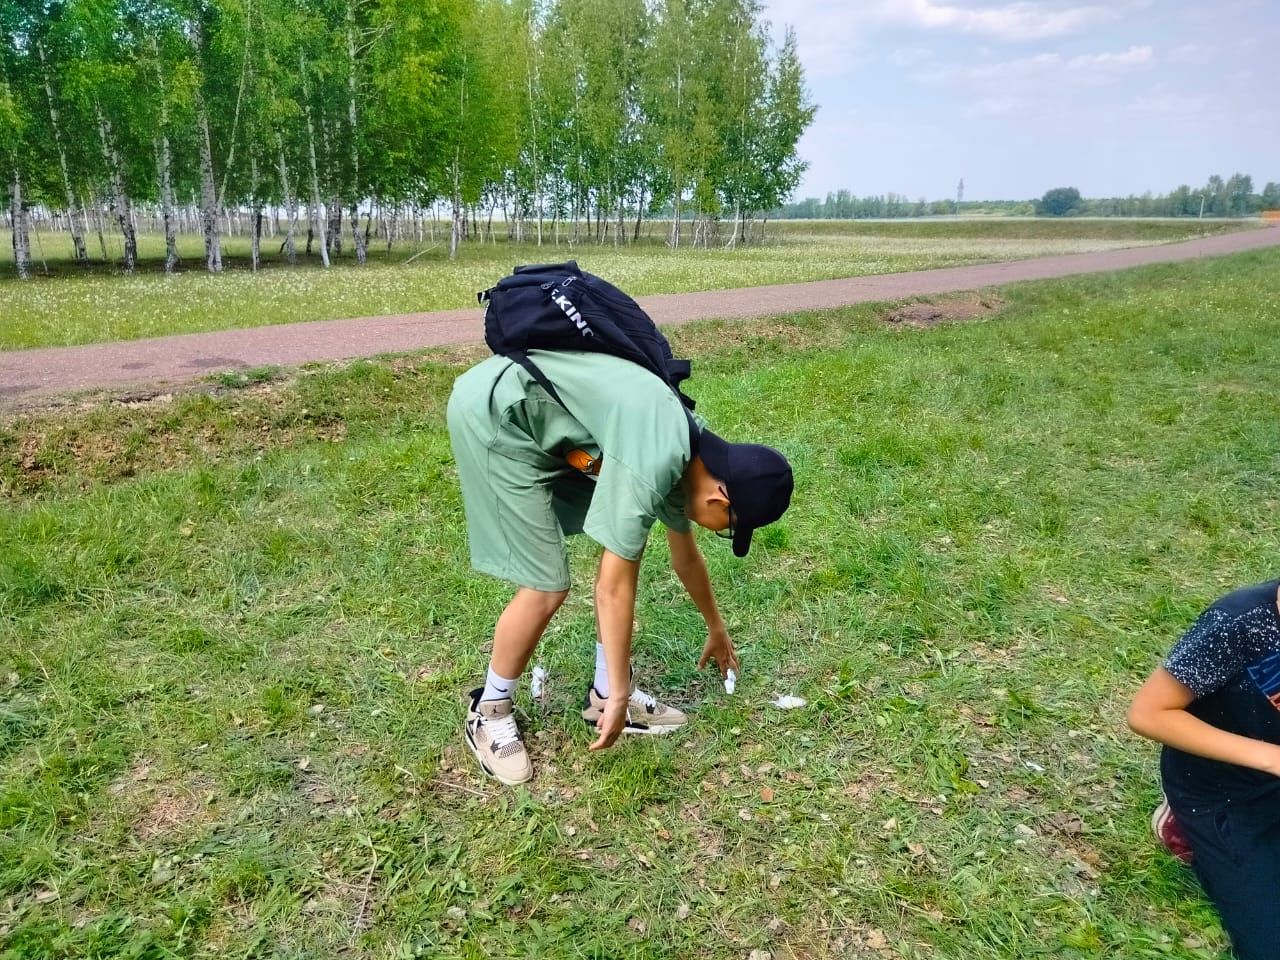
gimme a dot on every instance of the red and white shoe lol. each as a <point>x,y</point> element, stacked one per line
<point>1169,832</point>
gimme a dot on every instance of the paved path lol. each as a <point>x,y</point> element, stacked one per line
<point>27,375</point>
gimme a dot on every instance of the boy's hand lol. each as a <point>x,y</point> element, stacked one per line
<point>720,649</point>
<point>612,719</point>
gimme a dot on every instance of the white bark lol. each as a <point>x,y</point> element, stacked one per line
<point>356,236</point>
<point>290,203</point>
<point>455,231</point>
<point>317,208</point>
<point>77,227</point>
<point>208,194</point>
<point>255,212</point>
<point>117,199</point>
<point>164,164</point>
<point>21,241</point>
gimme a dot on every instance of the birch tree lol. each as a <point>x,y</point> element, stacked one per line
<point>12,129</point>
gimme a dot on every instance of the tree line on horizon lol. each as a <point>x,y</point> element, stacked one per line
<point>1232,197</point>
<point>573,116</point>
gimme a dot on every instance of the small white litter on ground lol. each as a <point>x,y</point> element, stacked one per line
<point>730,681</point>
<point>789,702</point>
<point>537,682</point>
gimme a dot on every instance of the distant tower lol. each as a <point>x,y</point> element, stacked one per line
<point>959,194</point>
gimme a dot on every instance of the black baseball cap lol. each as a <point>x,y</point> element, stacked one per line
<point>757,480</point>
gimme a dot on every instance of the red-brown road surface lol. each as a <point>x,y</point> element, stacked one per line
<point>26,375</point>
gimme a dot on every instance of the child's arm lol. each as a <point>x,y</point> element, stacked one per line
<point>1159,712</point>
<point>687,562</point>
<point>615,612</point>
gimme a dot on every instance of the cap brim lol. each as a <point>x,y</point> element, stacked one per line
<point>742,542</point>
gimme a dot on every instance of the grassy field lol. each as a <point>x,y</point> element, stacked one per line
<point>239,627</point>
<point>69,308</point>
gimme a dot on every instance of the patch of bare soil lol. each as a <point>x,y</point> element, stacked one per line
<point>163,807</point>
<point>923,315</point>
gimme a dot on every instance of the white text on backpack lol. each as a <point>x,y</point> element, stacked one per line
<point>572,313</point>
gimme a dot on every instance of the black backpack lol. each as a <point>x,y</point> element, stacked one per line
<point>557,306</point>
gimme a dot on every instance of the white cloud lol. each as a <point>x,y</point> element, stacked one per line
<point>1009,22</point>
<point>910,56</point>
<point>833,35</point>
<point>1133,57</point>
<point>1190,53</point>
<point>993,107</point>
<point>1169,103</point>
<point>1090,68</point>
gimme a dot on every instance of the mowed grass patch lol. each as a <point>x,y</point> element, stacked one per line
<point>73,307</point>
<point>233,690</point>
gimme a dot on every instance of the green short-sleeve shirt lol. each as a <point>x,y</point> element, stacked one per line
<point>510,440</point>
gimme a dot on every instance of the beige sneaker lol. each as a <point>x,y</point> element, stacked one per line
<point>644,713</point>
<point>494,738</point>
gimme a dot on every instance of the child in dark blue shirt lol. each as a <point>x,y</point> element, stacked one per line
<point>1215,705</point>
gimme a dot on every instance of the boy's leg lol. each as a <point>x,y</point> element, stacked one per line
<point>645,713</point>
<point>1237,859</point>
<point>514,534</point>
<point>521,627</point>
<point>491,730</point>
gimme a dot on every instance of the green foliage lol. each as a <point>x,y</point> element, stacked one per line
<point>1059,202</point>
<point>1233,197</point>
<point>551,110</point>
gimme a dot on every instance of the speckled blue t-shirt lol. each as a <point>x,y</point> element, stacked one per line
<point>1230,659</point>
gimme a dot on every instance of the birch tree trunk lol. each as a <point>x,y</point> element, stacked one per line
<point>163,166</point>
<point>119,203</point>
<point>290,203</point>
<point>163,161</point>
<point>102,237</point>
<point>335,225</point>
<point>21,243</point>
<point>77,228</point>
<point>208,192</point>
<point>360,242</point>
<point>255,211</point>
<point>317,208</point>
<point>733,234</point>
<point>455,231</point>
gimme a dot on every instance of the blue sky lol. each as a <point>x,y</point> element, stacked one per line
<point>1113,98</point>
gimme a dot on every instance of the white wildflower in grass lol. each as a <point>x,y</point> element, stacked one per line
<point>71,307</point>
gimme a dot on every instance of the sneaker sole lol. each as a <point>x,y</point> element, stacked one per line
<point>1158,818</point>
<point>471,744</point>
<point>640,731</point>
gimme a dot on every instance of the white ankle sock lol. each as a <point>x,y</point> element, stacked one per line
<point>498,688</point>
<point>601,682</point>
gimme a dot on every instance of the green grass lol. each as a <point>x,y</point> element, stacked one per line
<point>68,307</point>
<point>238,627</point>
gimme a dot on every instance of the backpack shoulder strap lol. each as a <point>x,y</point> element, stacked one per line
<point>522,358</point>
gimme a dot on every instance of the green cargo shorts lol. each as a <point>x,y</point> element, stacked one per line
<point>518,514</point>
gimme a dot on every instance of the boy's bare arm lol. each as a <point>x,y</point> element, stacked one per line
<point>1159,712</point>
<point>615,598</point>
<point>686,560</point>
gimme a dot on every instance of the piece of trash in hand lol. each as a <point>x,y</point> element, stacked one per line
<point>730,681</point>
<point>789,702</point>
<point>537,683</point>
